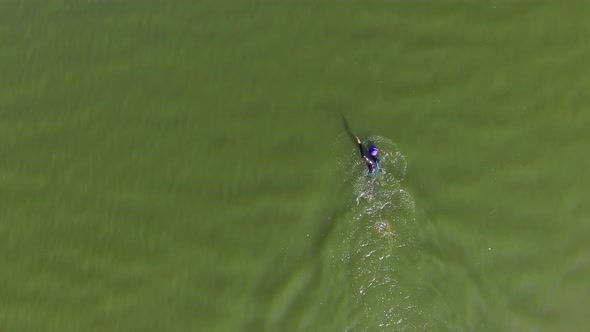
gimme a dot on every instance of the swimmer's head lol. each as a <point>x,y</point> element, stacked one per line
<point>373,151</point>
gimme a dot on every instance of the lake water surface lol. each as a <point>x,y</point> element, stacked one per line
<point>169,166</point>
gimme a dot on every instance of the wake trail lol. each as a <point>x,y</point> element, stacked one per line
<point>378,239</point>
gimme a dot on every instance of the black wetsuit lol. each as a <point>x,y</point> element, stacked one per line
<point>372,162</point>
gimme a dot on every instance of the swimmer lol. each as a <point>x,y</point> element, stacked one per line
<point>370,156</point>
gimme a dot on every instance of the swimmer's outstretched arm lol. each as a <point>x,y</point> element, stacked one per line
<point>361,147</point>
<point>370,163</point>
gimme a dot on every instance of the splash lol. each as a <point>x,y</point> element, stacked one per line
<point>377,234</point>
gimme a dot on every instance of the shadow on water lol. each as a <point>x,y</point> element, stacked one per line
<point>347,129</point>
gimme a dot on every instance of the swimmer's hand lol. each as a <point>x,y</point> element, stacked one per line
<point>358,140</point>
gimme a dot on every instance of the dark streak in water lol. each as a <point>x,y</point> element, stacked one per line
<point>348,130</point>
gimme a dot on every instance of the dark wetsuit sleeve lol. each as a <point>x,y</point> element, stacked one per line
<point>370,162</point>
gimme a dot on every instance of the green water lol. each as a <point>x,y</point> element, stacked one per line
<point>169,166</point>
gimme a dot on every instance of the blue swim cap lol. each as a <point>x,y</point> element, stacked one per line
<point>373,151</point>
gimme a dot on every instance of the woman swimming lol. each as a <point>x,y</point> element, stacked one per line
<point>370,157</point>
